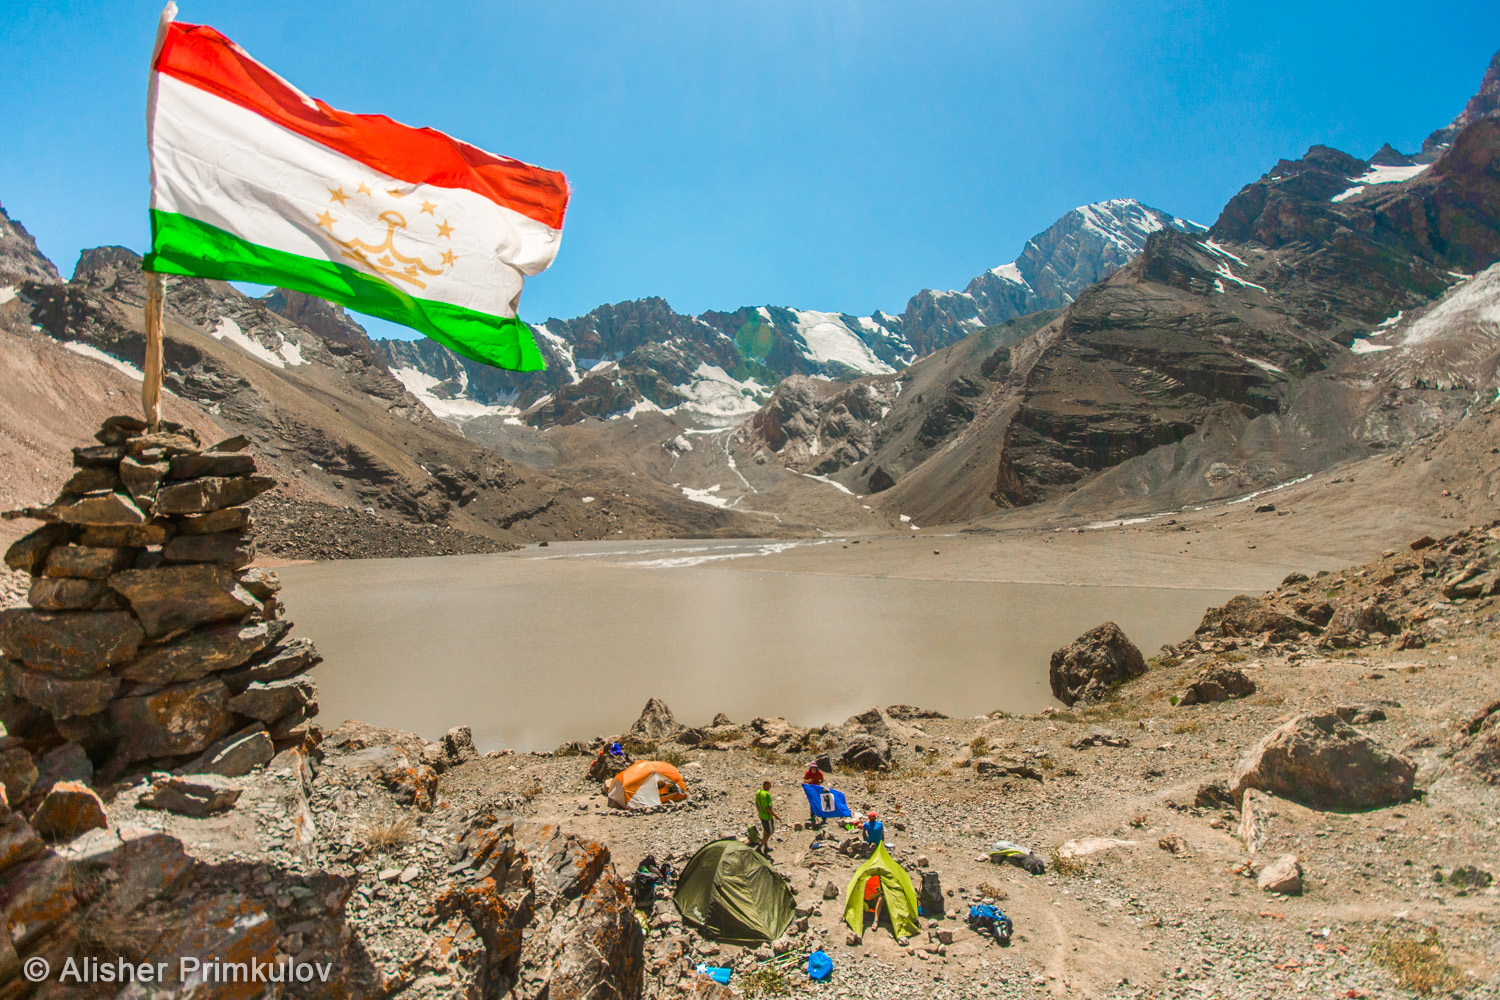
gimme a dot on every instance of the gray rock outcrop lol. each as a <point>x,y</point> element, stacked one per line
<point>1216,683</point>
<point>1322,762</point>
<point>1090,666</point>
<point>656,722</point>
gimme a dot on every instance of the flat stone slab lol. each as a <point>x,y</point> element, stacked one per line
<point>202,652</point>
<point>62,698</point>
<point>191,794</point>
<point>107,535</point>
<point>198,496</point>
<point>271,700</point>
<point>69,644</point>
<point>297,656</point>
<point>111,508</point>
<point>61,594</point>
<point>29,552</point>
<point>86,562</point>
<point>228,519</point>
<point>170,598</point>
<point>211,463</point>
<point>241,756</point>
<point>227,548</point>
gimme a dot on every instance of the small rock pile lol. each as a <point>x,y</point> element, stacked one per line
<point>146,638</point>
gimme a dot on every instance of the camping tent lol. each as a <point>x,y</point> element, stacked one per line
<point>895,887</point>
<point>732,894</point>
<point>647,783</point>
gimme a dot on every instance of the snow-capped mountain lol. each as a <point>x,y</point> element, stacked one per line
<point>1085,246</point>
<point>715,368</point>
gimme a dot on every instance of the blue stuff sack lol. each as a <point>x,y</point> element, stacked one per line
<point>718,975</point>
<point>819,966</point>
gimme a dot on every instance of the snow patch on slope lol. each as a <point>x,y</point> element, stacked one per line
<point>1476,299</point>
<point>829,339</point>
<point>124,367</point>
<point>1380,175</point>
<point>421,384</point>
<point>286,353</point>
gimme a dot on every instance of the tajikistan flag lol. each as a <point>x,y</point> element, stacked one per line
<point>252,180</point>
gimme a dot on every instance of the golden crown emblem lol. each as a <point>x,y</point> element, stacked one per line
<point>383,257</point>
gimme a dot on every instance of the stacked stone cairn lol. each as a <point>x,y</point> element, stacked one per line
<point>147,642</point>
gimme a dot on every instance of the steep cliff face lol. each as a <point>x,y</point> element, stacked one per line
<point>20,260</point>
<point>1084,247</point>
<point>1484,104</point>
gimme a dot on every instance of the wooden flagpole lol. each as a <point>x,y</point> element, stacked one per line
<point>152,369</point>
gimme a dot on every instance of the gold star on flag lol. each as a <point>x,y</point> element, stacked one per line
<point>428,206</point>
<point>448,257</point>
<point>444,229</point>
<point>326,221</point>
<point>338,195</point>
<point>364,189</point>
<point>395,192</point>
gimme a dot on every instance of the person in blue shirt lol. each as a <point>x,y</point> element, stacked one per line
<point>874,831</point>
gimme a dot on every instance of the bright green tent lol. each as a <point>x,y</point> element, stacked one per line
<point>732,894</point>
<point>895,887</point>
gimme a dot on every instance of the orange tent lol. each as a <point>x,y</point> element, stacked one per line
<point>647,783</point>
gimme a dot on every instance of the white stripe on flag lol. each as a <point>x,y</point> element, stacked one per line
<point>231,168</point>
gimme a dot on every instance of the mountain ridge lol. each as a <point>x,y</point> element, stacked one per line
<point>718,367</point>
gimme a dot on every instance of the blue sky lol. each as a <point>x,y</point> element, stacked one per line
<point>826,154</point>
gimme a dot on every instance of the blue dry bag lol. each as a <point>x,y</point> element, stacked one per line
<point>819,966</point>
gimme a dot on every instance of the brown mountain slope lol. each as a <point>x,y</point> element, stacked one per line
<point>317,403</point>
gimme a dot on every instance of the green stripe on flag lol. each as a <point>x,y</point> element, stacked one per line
<point>181,245</point>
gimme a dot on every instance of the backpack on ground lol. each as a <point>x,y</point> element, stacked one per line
<point>643,890</point>
<point>931,895</point>
<point>987,919</point>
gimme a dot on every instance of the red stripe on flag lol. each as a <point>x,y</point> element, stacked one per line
<point>201,57</point>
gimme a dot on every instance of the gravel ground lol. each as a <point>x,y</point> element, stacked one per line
<point>303,529</point>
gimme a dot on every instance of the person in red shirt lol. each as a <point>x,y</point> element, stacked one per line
<point>813,776</point>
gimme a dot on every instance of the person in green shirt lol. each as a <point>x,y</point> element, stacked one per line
<point>768,816</point>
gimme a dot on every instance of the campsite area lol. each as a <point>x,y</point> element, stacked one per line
<point>1151,885</point>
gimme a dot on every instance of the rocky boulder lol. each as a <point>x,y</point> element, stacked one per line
<point>869,753</point>
<point>1322,762</point>
<point>1476,748</point>
<point>1246,617</point>
<point>1352,624</point>
<point>1284,876</point>
<point>458,746</point>
<point>656,722</point>
<point>1090,666</point>
<point>552,916</point>
<point>68,809</point>
<point>1216,683</point>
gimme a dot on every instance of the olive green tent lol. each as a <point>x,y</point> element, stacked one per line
<point>895,888</point>
<point>732,894</point>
